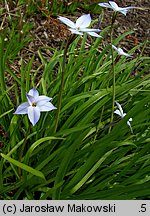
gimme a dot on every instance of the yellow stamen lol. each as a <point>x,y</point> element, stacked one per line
<point>34,104</point>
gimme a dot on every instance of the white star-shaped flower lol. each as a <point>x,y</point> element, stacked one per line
<point>120,112</point>
<point>80,26</point>
<point>112,5</point>
<point>35,105</point>
<point>121,52</point>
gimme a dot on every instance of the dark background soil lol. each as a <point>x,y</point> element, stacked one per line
<point>136,20</point>
<point>49,32</point>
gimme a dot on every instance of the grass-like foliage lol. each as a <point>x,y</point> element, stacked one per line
<point>89,155</point>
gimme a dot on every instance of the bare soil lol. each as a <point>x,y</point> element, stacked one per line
<point>51,32</point>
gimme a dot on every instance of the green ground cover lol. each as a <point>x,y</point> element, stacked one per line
<point>90,152</point>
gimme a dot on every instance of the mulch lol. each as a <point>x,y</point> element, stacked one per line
<point>50,32</point>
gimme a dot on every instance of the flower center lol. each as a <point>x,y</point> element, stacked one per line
<point>34,104</point>
<point>78,28</point>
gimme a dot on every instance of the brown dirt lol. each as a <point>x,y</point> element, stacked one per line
<point>136,20</point>
<point>50,32</point>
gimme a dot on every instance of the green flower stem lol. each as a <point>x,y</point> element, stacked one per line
<point>70,40</point>
<point>2,66</point>
<point>113,71</point>
<point>2,71</point>
<point>22,149</point>
<point>99,124</point>
<point>2,81</point>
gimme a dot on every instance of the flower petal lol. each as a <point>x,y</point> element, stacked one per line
<point>120,108</point>
<point>128,123</point>
<point>67,21</point>
<point>47,107</point>
<point>114,6</point>
<point>83,21</point>
<point>94,34</point>
<point>121,52</point>
<point>123,11</point>
<point>89,30</point>
<point>33,114</point>
<point>115,48</point>
<point>118,113</point>
<point>42,99</point>
<point>41,103</point>
<point>74,31</point>
<point>106,5</point>
<point>22,108</point>
<point>34,93</point>
<point>31,99</point>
